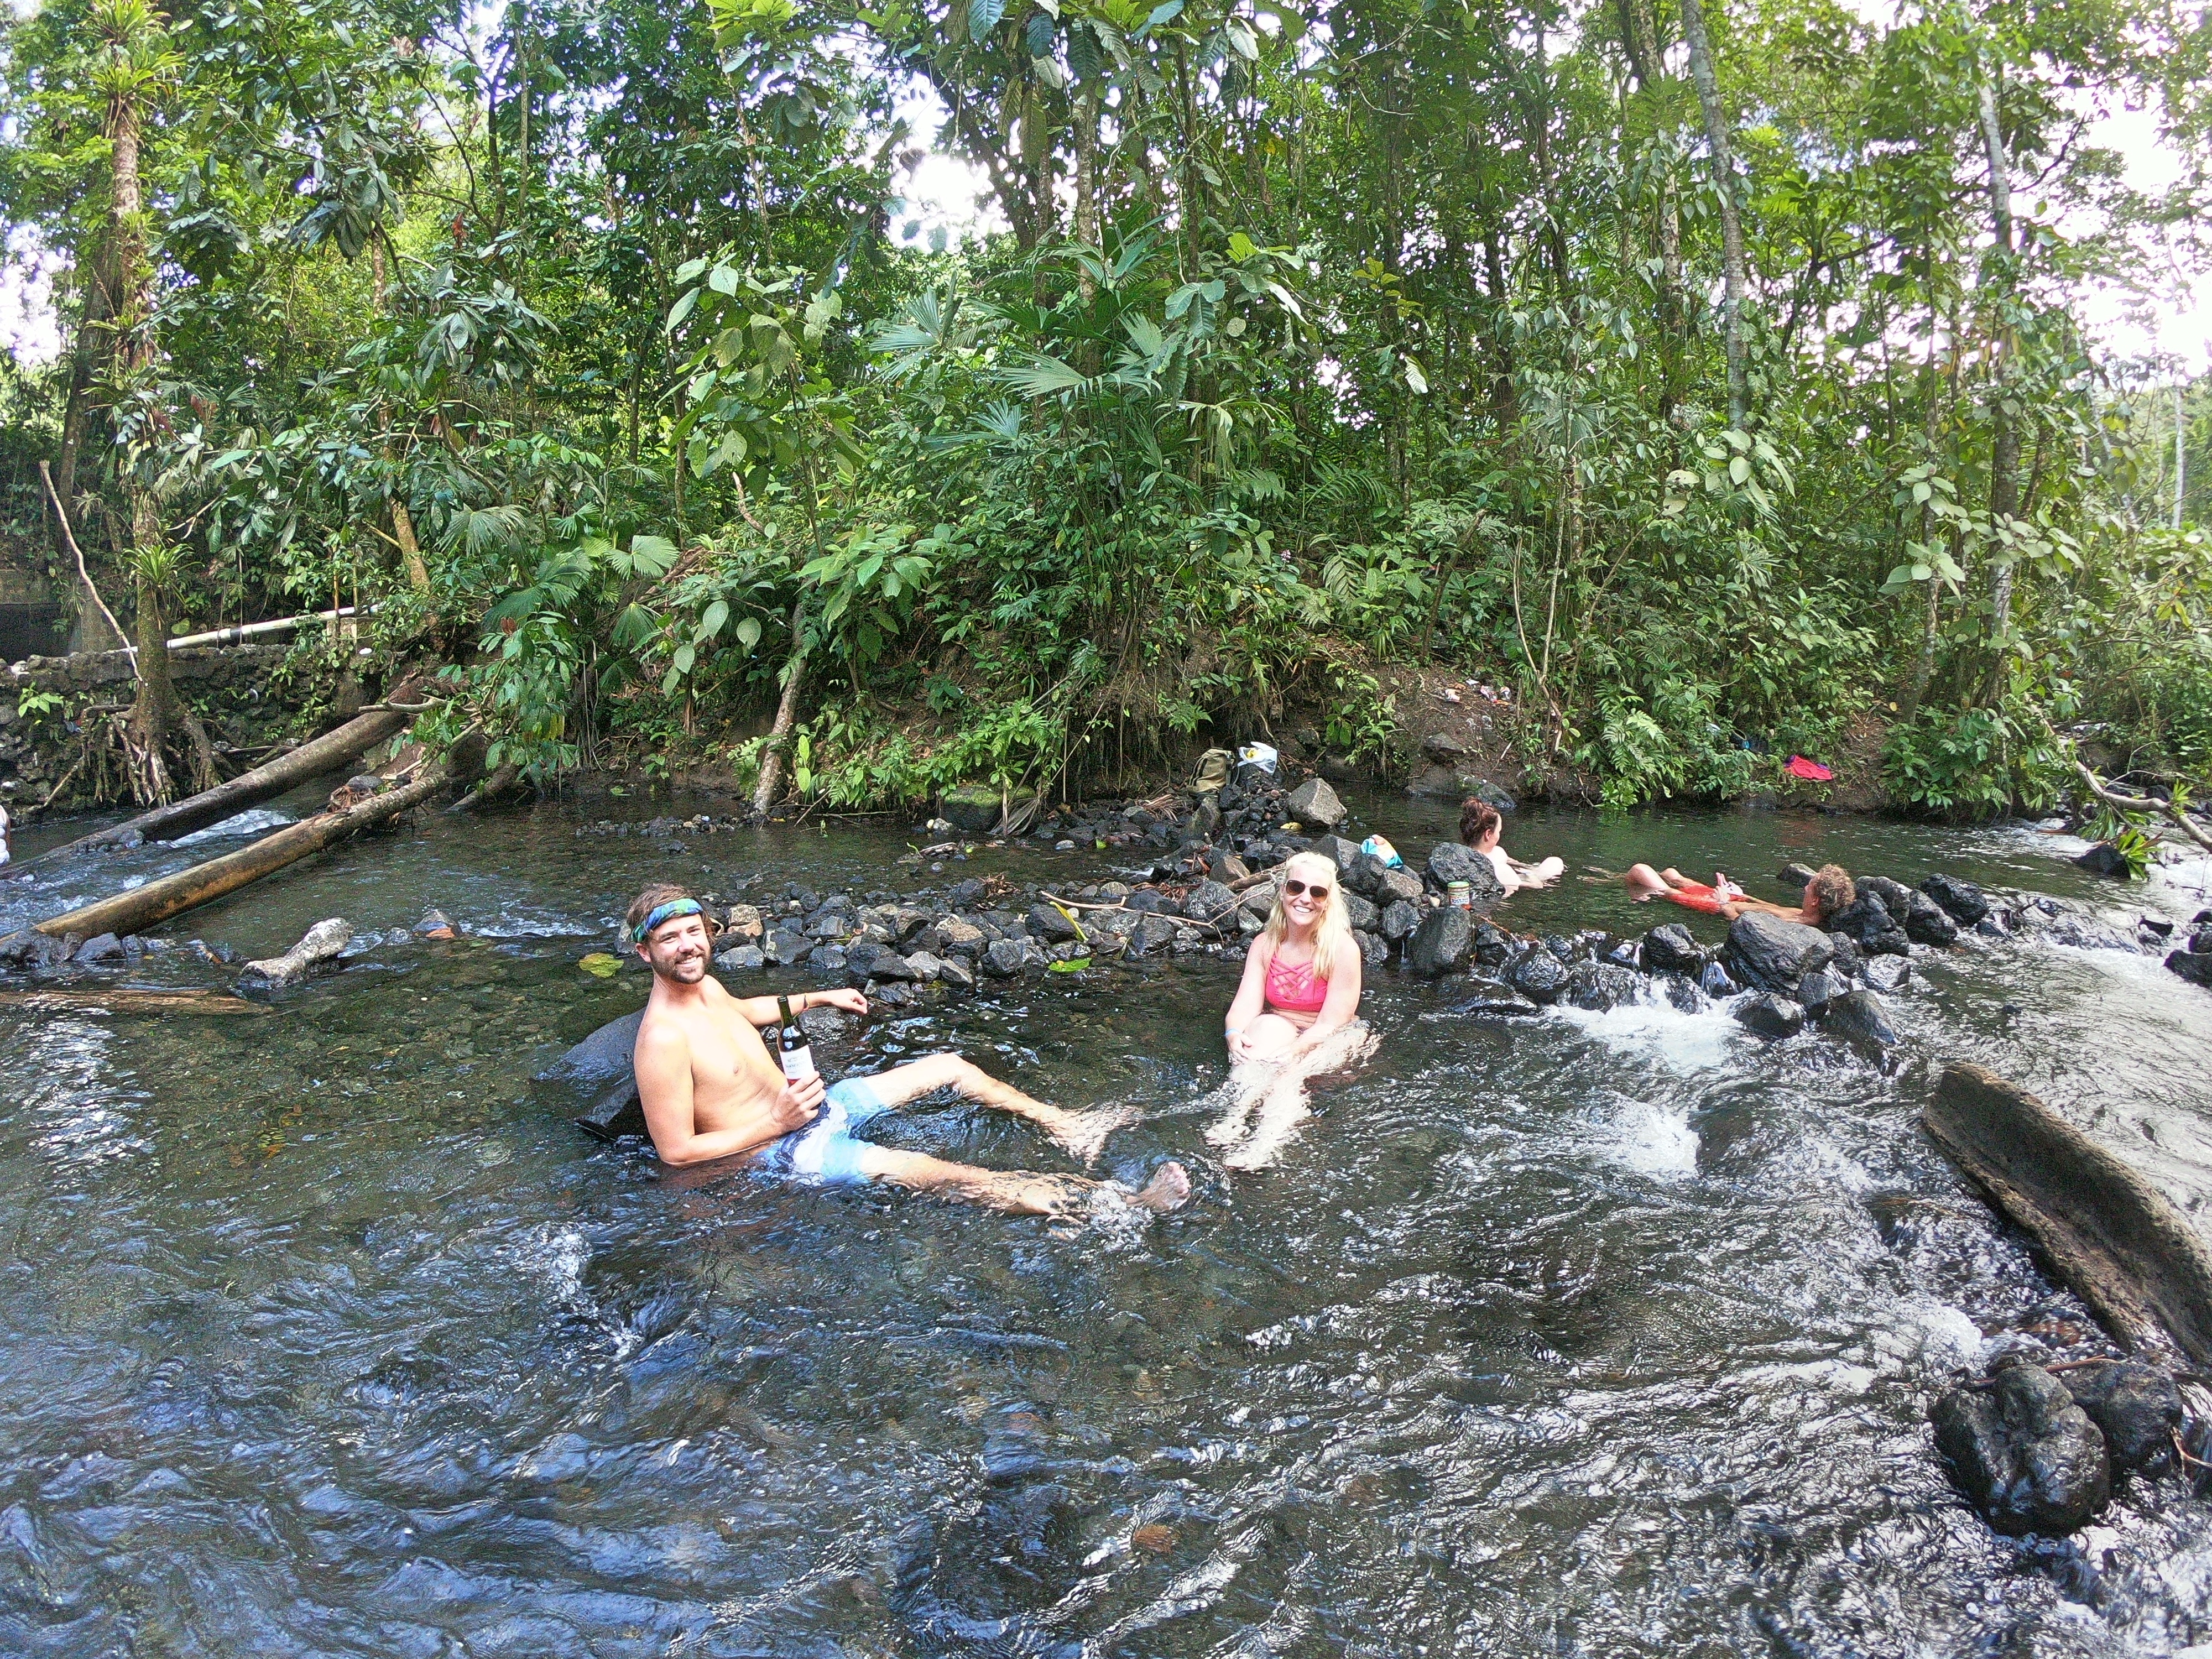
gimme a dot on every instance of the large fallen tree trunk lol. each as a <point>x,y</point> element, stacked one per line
<point>157,901</point>
<point>348,742</point>
<point>2111,1236</point>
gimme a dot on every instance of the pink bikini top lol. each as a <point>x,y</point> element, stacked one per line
<point>1294,989</point>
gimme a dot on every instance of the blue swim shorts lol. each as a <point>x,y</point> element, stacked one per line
<point>826,1153</point>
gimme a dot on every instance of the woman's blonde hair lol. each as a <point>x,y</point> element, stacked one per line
<point>1334,931</point>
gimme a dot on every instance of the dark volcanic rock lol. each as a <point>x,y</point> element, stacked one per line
<point>1365,876</point>
<point>1315,805</point>
<point>2103,860</point>
<point>1848,959</point>
<point>1362,912</point>
<point>1209,902</point>
<point>1538,975</point>
<point>27,947</point>
<point>1895,896</point>
<point>1492,943</point>
<point>598,1070</point>
<point>1866,921</point>
<point>1859,1016</point>
<point>1672,948</point>
<point>1374,948</point>
<point>1443,943</point>
<point>1345,853</point>
<point>1003,958</point>
<point>1775,953</point>
<point>866,958</point>
<point>1770,1016</point>
<point>1399,883</point>
<point>1052,924</point>
<point>1926,921</point>
<point>2135,1404</point>
<point>1820,987</point>
<point>1448,862</point>
<point>1602,985</point>
<point>1793,876</point>
<point>2023,1452</point>
<point>1681,992</point>
<point>1963,902</point>
<point>1400,921</point>
<point>2195,966</point>
<point>1713,981</point>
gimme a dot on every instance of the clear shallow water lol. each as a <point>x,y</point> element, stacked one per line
<point>326,1332</point>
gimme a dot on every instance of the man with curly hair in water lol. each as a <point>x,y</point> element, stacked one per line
<point>1830,889</point>
<point>711,1090</point>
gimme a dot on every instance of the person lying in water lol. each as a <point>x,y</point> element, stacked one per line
<point>1293,1015</point>
<point>711,1090</point>
<point>1479,826</point>
<point>1830,889</point>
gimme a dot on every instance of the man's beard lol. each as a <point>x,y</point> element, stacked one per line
<point>688,972</point>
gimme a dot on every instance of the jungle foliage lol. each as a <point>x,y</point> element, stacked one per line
<point>1716,376</point>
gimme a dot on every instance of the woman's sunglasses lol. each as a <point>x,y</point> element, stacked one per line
<point>1320,890</point>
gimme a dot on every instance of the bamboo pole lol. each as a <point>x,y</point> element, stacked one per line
<point>172,895</point>
<point>264,782</point>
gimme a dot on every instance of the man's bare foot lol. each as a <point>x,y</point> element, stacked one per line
<point>1085,1134</point>
<point>1167,1190</point>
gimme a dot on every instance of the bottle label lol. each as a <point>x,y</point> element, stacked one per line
<point>797,1063</point>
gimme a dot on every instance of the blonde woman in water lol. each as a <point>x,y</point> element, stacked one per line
<point>1294,1014</point>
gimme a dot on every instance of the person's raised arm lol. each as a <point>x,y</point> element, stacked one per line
<point>763,1011</point>
<point>1342,1003</point>
<point>1250,999</point>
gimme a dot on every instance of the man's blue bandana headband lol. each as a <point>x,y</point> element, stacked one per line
<point>660,913</point>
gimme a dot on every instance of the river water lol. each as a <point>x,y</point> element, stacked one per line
<point>326,1332</point>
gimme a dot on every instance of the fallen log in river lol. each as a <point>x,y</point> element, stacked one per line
<point>172,895</point>
<point>2112,1237</point>
<point>264,782</point>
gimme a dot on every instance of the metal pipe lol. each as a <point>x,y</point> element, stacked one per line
<point>251,631</point>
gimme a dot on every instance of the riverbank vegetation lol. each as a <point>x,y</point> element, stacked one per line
<point>1715,377</point>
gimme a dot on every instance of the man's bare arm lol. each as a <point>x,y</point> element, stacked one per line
<point>662,1061</point>
<point>763,1011</point>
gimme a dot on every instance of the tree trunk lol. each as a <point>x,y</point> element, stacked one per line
<point>2004,430</point>
<point>157,901</point>
<point>155,709</point>
<point>787,716</point>
<point>1724,157</point>
<point>410,551</point>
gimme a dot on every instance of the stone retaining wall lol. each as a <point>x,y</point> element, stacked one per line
<point>235,689</point>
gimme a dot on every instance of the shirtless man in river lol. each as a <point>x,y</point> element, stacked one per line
<point>711,1090</point>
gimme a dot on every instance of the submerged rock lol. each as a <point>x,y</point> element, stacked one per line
<point>1859,1016</point>
<point>1770,1015</point>
<point>1713,980</point>
<point>2137,1407</point>
<point>1963,902</point>
<point>2023,1452</point>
